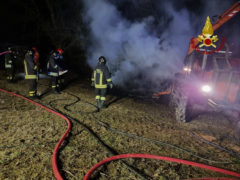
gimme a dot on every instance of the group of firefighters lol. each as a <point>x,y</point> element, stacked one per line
<point>101,78</point>
<point>31,65</point>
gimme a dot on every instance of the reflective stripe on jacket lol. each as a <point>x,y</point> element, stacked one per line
<point>29,67</point>
<point>53,66</point>
<point>8,61</point>
<point>55,74</point>
<point>101,76</point>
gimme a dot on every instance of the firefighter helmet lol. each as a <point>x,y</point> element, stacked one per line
<point>59,51</point>
<point>34,48</point>
<point>102,59</point>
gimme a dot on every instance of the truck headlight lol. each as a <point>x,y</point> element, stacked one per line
<point>206,88</point>
<point>187,69</point>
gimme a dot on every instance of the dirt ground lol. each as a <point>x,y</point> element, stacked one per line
<point>28,135</point>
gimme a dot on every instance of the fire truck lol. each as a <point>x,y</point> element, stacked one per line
<point>210,79</point>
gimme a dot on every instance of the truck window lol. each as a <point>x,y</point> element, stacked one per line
<point>209,63</point>
<point>222,63</point>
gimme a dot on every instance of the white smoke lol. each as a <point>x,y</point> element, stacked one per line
<point>136,57</point>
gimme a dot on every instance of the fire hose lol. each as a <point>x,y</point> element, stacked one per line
<point>55,151</point>
<point>4,52</point>
<point>152,157</point>
<point>214,145</point>
<point>148,156</point>
<point>122,156</point>
<point>135,136</point>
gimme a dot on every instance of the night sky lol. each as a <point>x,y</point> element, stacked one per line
<point>27,21</point>
<point>46,25</point>
<point>49,24</point>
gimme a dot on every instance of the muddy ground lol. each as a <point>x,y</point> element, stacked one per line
<point>28,135</point>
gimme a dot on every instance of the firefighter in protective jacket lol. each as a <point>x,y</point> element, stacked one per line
<point>30,66</point>
<point>54,68</point>
<point>10,59</point>
<point>101,79</point>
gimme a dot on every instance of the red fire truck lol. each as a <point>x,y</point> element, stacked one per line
<point>210,79</point>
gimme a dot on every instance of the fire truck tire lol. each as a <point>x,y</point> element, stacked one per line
<point>179,103</point>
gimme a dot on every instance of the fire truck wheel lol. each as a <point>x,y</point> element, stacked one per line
<point>178,103</point>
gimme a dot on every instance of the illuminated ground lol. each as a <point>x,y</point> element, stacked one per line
<point>28,135</point>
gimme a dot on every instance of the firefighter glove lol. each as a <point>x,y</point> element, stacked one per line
<point>93,84</point>
<point>110,85</point>
<point>35,68</point>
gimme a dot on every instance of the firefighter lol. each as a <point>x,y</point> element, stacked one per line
<point>31,67</point>
<point>101,79</point>
<point>54,68</point>
<point>36,56</point>
<point>10,59</point>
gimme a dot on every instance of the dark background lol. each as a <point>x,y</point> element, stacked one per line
<point>50,24</point>
<point>47,25</point>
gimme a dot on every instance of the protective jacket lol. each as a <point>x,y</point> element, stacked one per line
<point>8,61</point>
<point>30,66</point>
<point>101,76</point>
<point>53,65</point>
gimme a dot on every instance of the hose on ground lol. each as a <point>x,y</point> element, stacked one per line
<point>215,145</point>
<point>185,162</point>
<point>109,150</point>
<point>135,136</point>
<point>54,159</point>
<point>55,152</point>
<point>148,156</point>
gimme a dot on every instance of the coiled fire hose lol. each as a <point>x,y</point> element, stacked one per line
<point>122,156</point>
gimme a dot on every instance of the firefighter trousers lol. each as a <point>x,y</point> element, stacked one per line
<point>54,83</point>
<point>101,93</point>
<point>57,82</point>
<point>10,74</point>
<point>32,87</point>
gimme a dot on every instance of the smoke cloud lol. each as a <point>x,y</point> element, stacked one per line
<point>138,57</point>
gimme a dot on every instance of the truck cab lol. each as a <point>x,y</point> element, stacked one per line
<point>209,81</point>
